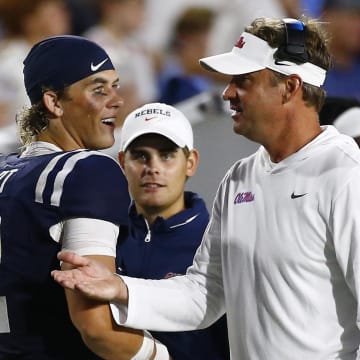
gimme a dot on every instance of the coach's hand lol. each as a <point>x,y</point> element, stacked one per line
<point>90,277</point>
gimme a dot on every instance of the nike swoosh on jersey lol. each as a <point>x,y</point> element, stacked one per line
<point>97,66</point>
<point>295,196</point>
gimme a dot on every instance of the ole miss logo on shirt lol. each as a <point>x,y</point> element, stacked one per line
<point>244,197</point>
<point>240,43</point>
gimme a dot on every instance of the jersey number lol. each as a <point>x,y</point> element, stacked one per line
<point>5,176</point>
<point>4,318</point>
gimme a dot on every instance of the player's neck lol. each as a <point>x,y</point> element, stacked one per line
<point>65,143</point>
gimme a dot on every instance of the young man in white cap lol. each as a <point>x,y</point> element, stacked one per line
<point>166,223</point>
<point>281,254</point>
<point>60,193</point>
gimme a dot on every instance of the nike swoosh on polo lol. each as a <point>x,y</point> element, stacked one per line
<point>97,66</point>
<point>295,196</point>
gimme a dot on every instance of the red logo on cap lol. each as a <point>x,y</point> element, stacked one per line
<point>240,43</point>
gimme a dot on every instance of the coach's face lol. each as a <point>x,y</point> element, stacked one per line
<point>90,108</point>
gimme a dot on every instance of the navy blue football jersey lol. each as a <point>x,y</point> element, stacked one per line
<point>35,194</point>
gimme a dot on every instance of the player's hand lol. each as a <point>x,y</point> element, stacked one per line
<point>91,278</point>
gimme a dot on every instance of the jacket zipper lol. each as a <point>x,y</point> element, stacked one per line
<point>148,235</point>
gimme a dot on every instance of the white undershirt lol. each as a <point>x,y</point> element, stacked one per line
<point>37,148</point>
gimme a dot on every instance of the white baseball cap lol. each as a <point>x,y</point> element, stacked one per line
<point>251,53</point>
<point>157,118</point>
<point>348,122</point>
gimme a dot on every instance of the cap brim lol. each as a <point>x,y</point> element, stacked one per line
<point>172,137</point>
<point>230,64</point>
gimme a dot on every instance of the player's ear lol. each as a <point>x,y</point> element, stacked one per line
<point>52,103</point>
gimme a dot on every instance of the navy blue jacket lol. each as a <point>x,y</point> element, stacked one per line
<point>166,249</point>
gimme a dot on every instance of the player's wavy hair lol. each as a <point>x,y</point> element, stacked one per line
<point>316,43</point>
<point>35,119</point>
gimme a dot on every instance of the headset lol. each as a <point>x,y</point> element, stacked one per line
<point>294,48</point>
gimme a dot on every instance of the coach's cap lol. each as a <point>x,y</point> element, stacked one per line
<point>251,53</point>
<point>157,118</point>
<point>60,61</point>
<point>348,122</point>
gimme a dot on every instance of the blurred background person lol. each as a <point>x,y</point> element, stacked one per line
<point>84,14</point>
<point>157,30</point>
<point>24,23</point>
<point>181,75</point>
<point>342,21</point>
<point>311,8</point>
<point>233,15</point>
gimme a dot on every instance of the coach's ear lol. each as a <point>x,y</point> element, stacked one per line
<point>52,103</point>
<point>293,84</point>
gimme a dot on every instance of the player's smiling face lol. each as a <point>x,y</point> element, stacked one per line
<point>90,110</point>
<point>156,170</point>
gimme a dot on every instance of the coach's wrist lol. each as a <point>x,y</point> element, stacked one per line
<point>121,295</point>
